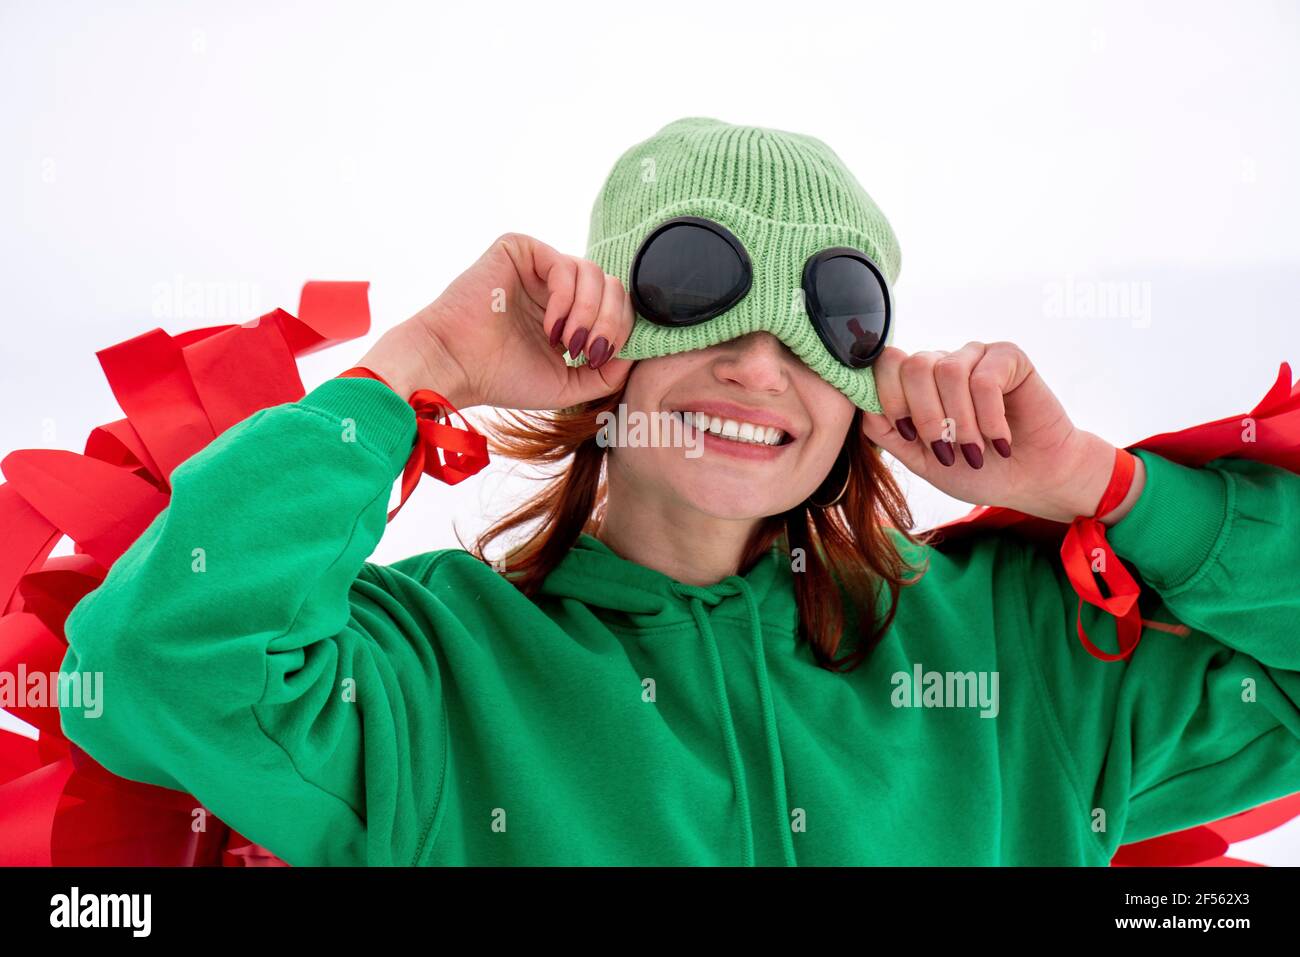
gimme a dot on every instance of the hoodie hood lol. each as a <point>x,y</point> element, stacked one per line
<point>642,597</point>
<point>599,577</point>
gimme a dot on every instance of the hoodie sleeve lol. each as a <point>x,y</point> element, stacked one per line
<point>252,658</point>
<point>1189,729</point>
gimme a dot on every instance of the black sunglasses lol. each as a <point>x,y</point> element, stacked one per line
<point>690,269</point>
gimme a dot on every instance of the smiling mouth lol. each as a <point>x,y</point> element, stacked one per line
<point>736,430</point>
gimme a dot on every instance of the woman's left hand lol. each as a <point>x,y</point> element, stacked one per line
<point>966,409</point>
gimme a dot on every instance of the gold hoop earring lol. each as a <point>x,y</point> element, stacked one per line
<point>848,474</point>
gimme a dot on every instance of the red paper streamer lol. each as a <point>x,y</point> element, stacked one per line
<point>57,805</point>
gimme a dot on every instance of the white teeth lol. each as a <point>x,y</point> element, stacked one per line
<point>733,429</point>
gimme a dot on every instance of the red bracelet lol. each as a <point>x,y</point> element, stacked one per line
<point>464,450</point>
<point>1121,480</point>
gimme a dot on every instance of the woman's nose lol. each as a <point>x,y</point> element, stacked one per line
<point>756,361</point>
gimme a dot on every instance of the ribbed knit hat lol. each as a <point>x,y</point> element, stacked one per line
<point>784,195</point>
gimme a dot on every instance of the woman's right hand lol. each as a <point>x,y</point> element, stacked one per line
<point>487,340</point>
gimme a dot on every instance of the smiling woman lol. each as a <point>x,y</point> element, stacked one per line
<point>707,499</point>
<point>695,659</point>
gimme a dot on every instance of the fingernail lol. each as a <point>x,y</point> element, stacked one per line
<point>576,343</point>
<point>943,451</point>
<point>557,330</point>
<point>598,352</point>
<point>1003,447</point>
<point>974,457</point>
<point>905,428</point>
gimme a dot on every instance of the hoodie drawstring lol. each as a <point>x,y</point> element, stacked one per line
<point>698,597</point>
<point>769,721</point>
<point>728,728</point>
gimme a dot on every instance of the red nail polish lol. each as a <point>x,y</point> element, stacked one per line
<point>943,451</point>
<point>577,342</point>
<point>598,352</point>
<point>973,454</point>
<point>557,330</point>
<point>905,428</point>
<point>1003,447</point>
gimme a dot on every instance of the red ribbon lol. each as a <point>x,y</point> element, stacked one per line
<point>464,450</point>
<point>1086,537</point>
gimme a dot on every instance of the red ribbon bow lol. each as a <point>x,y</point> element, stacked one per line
<point>465,450</point>
<point>1085,539</point>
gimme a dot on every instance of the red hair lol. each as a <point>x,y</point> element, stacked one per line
<point>847,548</point>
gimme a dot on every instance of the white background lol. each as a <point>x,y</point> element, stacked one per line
<point>1016,148</point>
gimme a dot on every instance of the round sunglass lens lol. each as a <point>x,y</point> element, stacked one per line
<point>689,272</point>
<point>852,308</point>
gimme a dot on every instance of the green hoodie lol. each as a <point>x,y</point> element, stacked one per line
<point>425,712</point>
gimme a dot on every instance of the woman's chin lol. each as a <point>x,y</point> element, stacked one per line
<point>714,486</point>
<point>729,497</point>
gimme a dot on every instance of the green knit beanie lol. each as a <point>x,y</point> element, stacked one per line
<point>785,196</point>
